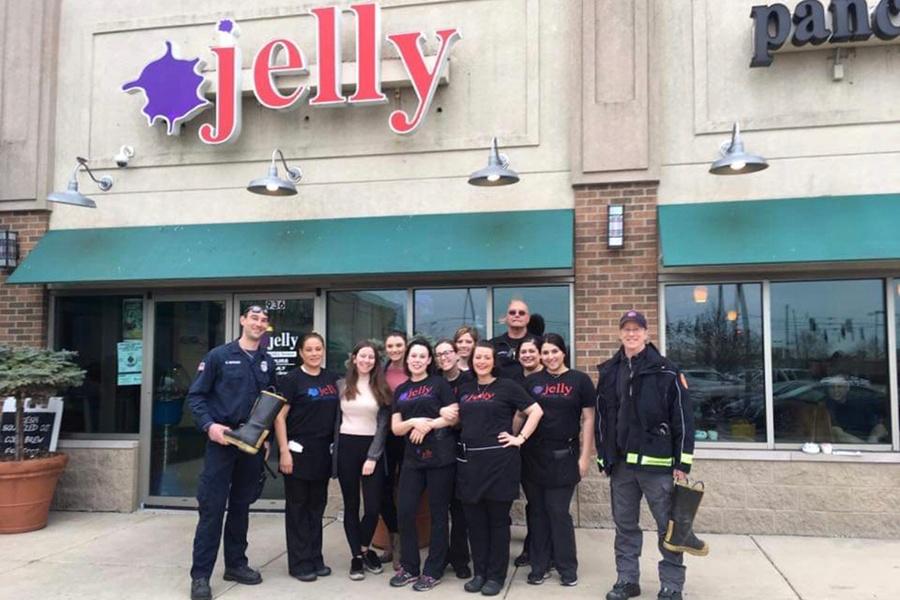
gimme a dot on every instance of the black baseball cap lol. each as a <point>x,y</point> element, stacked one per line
<point>635,317</point>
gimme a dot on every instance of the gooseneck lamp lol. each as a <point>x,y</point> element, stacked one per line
<point>272,184</point>
<point>497,171</point>
<point>734,160</point>
<point>72,195</point>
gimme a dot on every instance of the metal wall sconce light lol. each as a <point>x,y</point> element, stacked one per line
<point>272,184</point>
<point>497,171</point>
<point>9,249</point>
<point>733,160</point>
<point>615,230</point>
<point>72,195</point>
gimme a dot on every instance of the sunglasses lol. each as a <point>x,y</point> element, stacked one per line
<point>255,308</point>
<point>517,313</point>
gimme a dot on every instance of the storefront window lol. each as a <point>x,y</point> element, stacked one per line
<point>550,302</point>
<point>107,333</point>
<point>354,316</point>
<point>440,312</point>
<point>829,362</point>
<point>714,334</point>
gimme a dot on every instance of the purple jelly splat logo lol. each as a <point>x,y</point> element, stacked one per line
<point>313,392</point>
<point>173,88</point>
<point>537,389</point>
<point>403,396</point>
<point>225,26</point>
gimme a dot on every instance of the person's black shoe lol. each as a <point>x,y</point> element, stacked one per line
<point>306,576</point>
<point>623,590</point>
<point>243,574</point>
<point>323,571</point>
<point>474,585</point>
<point>356,568</point>
<point>668,594</point>
<point>402,578</point>
<point>463,572</point>
<point>568,580</point>
<point>491,588</point>
<point>522,560</point>
<point>371,562</point>
<point>537,578</point>
<point>200,589</point>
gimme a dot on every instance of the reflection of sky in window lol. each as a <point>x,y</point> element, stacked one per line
<point>551,302</point>
<point>847,312</point>
<point>681,306</point>
<point>440,312</point>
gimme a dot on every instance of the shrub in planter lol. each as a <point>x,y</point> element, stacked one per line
<point>27,484</point>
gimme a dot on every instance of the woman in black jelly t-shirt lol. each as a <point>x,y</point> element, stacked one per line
<point>429,462</point>
<point>489,465</point>
<point>551,462</point>
<point>304,430</point>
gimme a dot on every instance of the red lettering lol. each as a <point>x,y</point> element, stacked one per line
<point>328,57</point>
<point>368,55</point>
<point>425,82</point>
<point>228,99</point>
<point>265,70</point>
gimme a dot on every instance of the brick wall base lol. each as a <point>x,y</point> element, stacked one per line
<point>23,308</point>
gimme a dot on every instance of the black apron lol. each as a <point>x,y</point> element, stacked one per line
<point>492,473</point>
<point>551,463</point>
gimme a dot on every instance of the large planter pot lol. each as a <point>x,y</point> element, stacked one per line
<point>26,490</point>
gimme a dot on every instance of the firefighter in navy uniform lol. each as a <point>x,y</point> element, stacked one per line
<point>229,379</point>
<point>645,441</point>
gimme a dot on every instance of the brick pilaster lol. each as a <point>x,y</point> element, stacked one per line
<point>23,308</point>
<point>609,282</point>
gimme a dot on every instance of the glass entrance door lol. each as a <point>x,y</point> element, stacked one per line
<point>183,332</point>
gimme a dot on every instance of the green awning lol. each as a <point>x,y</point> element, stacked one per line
<point>498,241</point>
<point>789,230</point>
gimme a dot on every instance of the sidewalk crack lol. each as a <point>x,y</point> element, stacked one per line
<point>774,566</point>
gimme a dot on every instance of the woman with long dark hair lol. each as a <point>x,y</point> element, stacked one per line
<point>530,359</point>
<point>394,374</point>
<point>429,463</point>
<point>555,459</point>
<point>489,464</point>
<point>359,435</point>
<point>304,430</point>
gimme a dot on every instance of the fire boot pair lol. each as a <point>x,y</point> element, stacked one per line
<point>680,533</point>
<point>251,435</point>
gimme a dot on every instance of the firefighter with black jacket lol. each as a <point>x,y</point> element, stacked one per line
<point>645,441</point>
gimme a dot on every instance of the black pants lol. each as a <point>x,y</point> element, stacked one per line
<point>439,483</point>
<point>304,506</point>
<point>551,531</point>
<point>489,522</point>
<point>352,453</point>
<point>229,477</point>
<point>459,535</point>
<point>392,460</point>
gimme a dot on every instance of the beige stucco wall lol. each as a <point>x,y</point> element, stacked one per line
<point>821,136</point>
<point>510,76</point>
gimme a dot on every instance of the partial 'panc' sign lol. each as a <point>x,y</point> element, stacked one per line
<point>846,21</point>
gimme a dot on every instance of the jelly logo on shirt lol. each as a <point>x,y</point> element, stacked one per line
<point>479,397</point>
<point>536,390</point>
<point>424,453</point>
<point>320,393</point>
<point>554,389</point>
<point>416,392</point>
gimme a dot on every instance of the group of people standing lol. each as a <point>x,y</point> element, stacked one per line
<point>470,422</point>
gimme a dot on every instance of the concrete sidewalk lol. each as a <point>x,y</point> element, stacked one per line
<point>147,555</point>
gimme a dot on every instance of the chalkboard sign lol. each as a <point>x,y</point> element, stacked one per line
<point>41,423</point>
